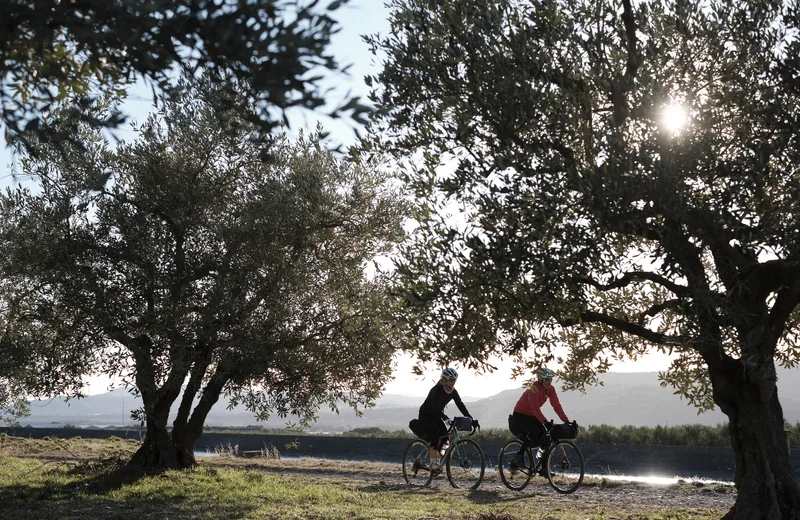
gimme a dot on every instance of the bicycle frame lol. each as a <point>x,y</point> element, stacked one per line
<point>531,456</point>
<point>561,468</point>
<point>546,450</point>
<point>456,445</point>
<point>453,437</point>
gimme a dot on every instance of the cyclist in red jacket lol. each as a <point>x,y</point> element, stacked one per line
<point>527,421</point>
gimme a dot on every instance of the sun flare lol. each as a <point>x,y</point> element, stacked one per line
<point>674,118</point>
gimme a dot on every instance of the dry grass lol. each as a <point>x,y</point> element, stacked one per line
<point>72,448</point>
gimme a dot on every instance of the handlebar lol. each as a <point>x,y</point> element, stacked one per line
<point>549,425</point>
<point>476,427</point>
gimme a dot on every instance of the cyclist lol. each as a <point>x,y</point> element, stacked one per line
<point>430,425</point>
<point>527,420</point>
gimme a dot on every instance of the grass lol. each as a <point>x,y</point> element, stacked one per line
<point>73,448</point>
<point>36,481</point>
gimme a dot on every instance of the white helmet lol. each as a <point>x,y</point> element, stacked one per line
<point>545,373</point>
<point>449,373</point>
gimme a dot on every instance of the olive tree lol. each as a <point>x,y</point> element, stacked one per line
<point>54,50</point>
<point>557,207</point>
<point>200,270</point>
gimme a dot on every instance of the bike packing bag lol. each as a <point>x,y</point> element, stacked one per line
<point>564,431</point>
<point>512,426</point>
<point>462,424</point>
<point>416,428</point>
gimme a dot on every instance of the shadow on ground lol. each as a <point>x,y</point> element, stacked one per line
<point>88,499</point>
<point>106,509</point>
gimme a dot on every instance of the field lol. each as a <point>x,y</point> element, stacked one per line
<point>82,479</point>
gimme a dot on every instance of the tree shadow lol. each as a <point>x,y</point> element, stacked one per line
<point>476,496</point>
<point>137,508</point>
<point>89,479</point>
<point>91,489</point>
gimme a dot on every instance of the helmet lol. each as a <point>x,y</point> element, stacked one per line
<point>449,373</point>
<point>545,373</point>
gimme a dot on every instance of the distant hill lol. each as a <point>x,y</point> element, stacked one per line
<point>626,398</point>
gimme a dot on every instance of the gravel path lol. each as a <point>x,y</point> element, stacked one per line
<point>594,493</point>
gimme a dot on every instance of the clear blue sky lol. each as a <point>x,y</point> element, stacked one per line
<point>357,18</point>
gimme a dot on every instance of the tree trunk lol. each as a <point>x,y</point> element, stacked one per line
<point>161,450</point>
<point>167,450</point>
<point>175,449</point>
<point>763,473</point>
<point>185,434</point>
<point>164,449</point>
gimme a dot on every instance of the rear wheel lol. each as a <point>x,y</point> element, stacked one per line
<point>466,465</point>
<point>515,465</point>
<point>565,467</point>
<point>417,464</point>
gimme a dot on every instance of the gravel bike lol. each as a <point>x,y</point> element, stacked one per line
<point>561,461</point>
<point>462,458</point>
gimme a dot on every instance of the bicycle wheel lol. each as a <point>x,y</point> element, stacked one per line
<point>565,466</point>
<point>466,464</point>
<point>417,464</point>
<point>513,474</point>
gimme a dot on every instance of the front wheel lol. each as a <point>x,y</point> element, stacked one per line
<point>515,465</point>
<point>417,464</point>
<point>466,465</point>
<point>565,466</point>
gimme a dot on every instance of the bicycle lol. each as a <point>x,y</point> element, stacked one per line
<point>463,458</point>
<point>561,462</point>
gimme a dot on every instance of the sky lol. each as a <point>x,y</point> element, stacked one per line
<point>357,18</point>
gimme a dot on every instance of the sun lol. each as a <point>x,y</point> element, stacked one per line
<point>674,118</point>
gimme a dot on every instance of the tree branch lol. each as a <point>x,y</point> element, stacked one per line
<point>208,399</point>
<point>653,310</point>
<point>637,276</point>
<point>198,372</point>
<point>621,86</point>
<point>536,69</point>
<point>788,299</point>
<point>325,329</point>
<point>643,231</point>
<point>730,262</point>
<point>625,326</point>
<point>634,60</point>
<point>773,275</point>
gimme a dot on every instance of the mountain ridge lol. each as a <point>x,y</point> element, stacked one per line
<point>630,398</point>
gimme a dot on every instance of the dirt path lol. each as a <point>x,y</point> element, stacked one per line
<point>594,493</point>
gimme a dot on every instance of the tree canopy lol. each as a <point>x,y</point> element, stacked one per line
<point>200,269</point>
<point>52,50</point>
<point>557,207</point>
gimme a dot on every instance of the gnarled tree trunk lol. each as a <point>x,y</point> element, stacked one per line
<point>767,488</point>
<point>163,448</point>
<point>160,448</point>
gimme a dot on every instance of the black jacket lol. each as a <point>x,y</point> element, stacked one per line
<point>436,401</point>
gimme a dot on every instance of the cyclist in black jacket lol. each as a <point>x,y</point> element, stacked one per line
<point>431,413</point>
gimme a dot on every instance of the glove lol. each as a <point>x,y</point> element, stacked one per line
<point>548,425</point>
<point>575,424</point>
<point>475,424</point>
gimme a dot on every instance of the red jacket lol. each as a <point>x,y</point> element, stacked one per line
<point>531,401</point>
